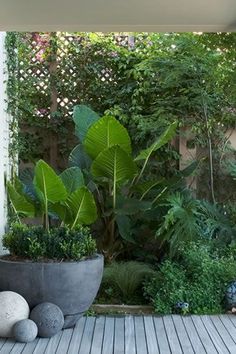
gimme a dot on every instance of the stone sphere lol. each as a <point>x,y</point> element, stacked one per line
<point>230,295</point>
<point>48,318</point>
<point>13,308</point>
<point>25,331</point>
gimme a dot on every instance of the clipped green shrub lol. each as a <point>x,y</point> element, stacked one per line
<point>199,278</point>
<point>62,243</point>
<point>124,281</point>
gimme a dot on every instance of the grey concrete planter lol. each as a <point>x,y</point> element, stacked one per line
<point>70,285</point>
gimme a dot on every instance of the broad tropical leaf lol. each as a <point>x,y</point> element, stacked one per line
<point>105,133</point>
<point>19,202</point>
<point>124,227</point>
<point>114,163</point>
<point>82,207</point>
<point>60,210</point>
<point>72,178</point>
<point>79,158</point>
<point>48,184</point>
<point>83,117</point>
<point>145,187</point>
<point>182,221</point>
<point>162,140</point>
<point>26,177</point>
<point>131,206</point>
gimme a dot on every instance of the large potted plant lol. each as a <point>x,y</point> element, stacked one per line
<point>56,261</point>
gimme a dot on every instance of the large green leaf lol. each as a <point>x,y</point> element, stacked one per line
<point>145,187</point>
<point>48,184</point>
<point>83,117</point>
<point>124,227</point>
<point>60,210</point>
<point>162,140</point>
<point>72,178</point>
<point>114,163</point>
<point>79,158</point>
<point>82,207</point>
<point>131,206</point>
<point>105,133</point>
<point>19,202</point>
<point>26,177</point>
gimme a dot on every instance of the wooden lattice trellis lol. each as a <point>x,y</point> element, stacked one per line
<point>47,58</point>
<point>53,77</point>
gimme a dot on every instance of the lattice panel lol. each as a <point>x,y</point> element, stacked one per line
<point>65,84</point>
<point>66,81</point>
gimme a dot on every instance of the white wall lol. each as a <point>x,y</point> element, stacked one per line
<point>4,139</point>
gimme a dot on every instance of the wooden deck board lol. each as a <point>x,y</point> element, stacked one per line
<point>140,336</point>
<point>223,333</point>
<point>53,343</point>
<point>98,335</point>
<point>137,335</point>
<point>2,342</point>
<point>108,339</point>
<point>87,336</point>
<point>41,346</point>
<point>217,340</point>
<point>7,347</point>
<point>130,345</point>
<point>119,340</point>
<point>172,335</point>
<point>203,334</point>
<point>193,335</point>
<point>64,341</point>
<point>229,326</point>
<point>18,348</point>
<point>182,335</point>
<point>29,348</point>
<point>76,337</point>
<point>151,338</point>
<point>162,339</point>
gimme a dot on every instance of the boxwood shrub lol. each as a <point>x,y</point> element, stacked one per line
<point>60,243</point>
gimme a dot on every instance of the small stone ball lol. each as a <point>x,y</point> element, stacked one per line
<point>13,308</point>
<point>48,318</point>
<point>25,331</point>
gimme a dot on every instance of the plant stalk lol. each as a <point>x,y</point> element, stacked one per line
<point>210,155</point>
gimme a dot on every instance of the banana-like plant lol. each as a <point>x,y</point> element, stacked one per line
<point>114,174</point>
<point>64,196</point>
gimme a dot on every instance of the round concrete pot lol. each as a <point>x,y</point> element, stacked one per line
<point>70,285</point>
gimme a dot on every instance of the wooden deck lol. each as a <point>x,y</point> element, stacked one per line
<point>137,335</point>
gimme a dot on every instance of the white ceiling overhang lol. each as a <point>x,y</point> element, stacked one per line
<point>118,15</point>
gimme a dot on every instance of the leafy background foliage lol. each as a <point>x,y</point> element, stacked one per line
<point>144,80</point>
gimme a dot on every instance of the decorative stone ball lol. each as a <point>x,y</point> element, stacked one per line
<point>25,331</point>
<point>13,308</point>
<point>48,318</point>
<point>182,307</point>
<point>230,295</point>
